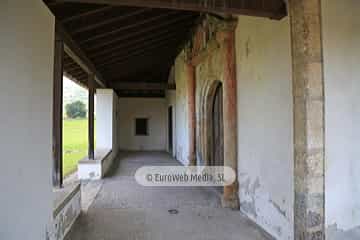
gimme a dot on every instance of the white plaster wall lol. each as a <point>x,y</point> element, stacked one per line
<point>155,109</point>
<point>104,118</point>
<point>116,120</point>
<point>26,73</point>
<point>265,123</point>
<point>171,102</point>
<point>107,163</point>
<point>90,169</point>
<point>107,136</point>
<point>181,113</point>
<point>341,38</point>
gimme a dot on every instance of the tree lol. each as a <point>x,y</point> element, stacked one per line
<point>76,109</point>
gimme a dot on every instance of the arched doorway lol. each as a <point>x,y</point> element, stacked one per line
<point>212,128</point>
<point>217,129</point>
<point>211,131</point>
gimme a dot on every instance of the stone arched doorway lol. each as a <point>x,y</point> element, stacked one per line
<point>211,126</point>
<point>216,131</point>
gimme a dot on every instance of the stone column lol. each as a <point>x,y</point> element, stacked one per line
<point>308,93</point>
<point>227,38</point>
<point>191,86</point>
<point>91,118</point>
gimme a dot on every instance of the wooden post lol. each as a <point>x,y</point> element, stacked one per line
<point>58,112</point>
<point>91,118</point>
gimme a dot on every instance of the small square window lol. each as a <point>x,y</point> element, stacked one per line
<point>141,127</point>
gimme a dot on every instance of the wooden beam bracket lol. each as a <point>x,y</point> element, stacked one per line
<point>74,51</point>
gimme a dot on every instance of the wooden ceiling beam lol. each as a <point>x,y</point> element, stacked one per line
<point>143,31</point>
<point>141,94</point>
<point>129,26</point>
<point>120,17</point>
<point>85,14</point>
<point>69,76</point>
<point>161,63</point>
<point>79,76</point>
<point>141,42</point>
<point>73,67</point>
<point>239,7</point>
<point>53,3</point>
<point>76,71</point>
<point>137,53</point>
<point>119,85</point>
<point>77,54</point>
<point>134,64</point>
<point>152,71</point>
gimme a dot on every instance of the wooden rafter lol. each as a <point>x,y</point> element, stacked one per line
<point>85,14</point>
<point>110,20</point>
<point>271,8</point>
<point>136,53</point>
<point>139,43</point>
<point>118,85</point>
<point>124,44</point>
<point>129,26</point>
<point>134,63</point>
<point>77,54</point>
<point>142,31</point>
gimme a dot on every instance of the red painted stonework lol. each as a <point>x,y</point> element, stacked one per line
<point>230,197</point>
<point>190,71</point>
<point>225,43</point>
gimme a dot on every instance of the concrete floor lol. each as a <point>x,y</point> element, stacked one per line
<point>124,210</point>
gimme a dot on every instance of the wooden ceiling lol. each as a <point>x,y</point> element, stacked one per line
<point>136,41</point>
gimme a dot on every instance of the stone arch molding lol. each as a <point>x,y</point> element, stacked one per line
<point>213,40</point>
<point>207,97</point>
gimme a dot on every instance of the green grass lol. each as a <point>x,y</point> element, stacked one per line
<point>75,144</point>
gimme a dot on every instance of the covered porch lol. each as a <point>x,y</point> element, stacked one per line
<point>123,209</point>
<point>268,88</point>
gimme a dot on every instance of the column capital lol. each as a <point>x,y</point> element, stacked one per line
<point>227,25</point>
<point>211,33</point>
<point>226,33</point>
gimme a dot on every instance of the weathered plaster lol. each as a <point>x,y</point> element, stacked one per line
<point>96,169</point>
<point>181,112</point>
<point>341,37</point>
<point>265,119</point>
<point>334,233</point>
<point>211,53</point>
<point>65,215</point>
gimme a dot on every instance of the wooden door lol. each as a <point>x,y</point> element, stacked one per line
<point>218,129</point>
<point>170,130</point>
